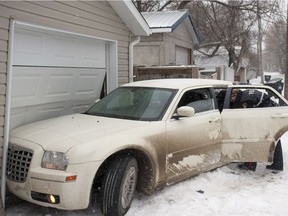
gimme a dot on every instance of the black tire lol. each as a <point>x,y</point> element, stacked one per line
<point>118,186</point>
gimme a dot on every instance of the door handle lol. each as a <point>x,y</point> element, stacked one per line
<point>279,115</point>
<point>214,120</point>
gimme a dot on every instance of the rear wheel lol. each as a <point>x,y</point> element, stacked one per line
<point>118,186</point>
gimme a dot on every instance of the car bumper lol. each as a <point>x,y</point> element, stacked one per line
<point>41,183</point>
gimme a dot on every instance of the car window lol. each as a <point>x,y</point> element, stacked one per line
<point>251,97</point>
<point>135,103</point>
<point>199,99</point>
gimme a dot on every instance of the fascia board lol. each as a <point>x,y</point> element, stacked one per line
<point>132,18</point>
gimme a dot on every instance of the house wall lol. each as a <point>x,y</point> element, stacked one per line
<point>179,37</point>
<point>94,18</point>
<point>150,50</point>
<point>160,48</point>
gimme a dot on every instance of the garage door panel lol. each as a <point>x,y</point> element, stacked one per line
<point>86,84</point>
<point>26,86</point>
<point>28,114</point>
<point>40,93</point>
<point>23,44</point>
<point>22,115</point>
<point>79,108</point>
<point>33,48</point>
<point>62,48</point>
<point>87,52</point>
<point>58,85</point>
<point>54,73</point>
<point>34,86</point>
<point>16,116</point>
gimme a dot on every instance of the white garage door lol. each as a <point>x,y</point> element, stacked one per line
<point>54,74</point>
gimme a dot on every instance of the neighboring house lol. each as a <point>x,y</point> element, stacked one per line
<point>57,57</point>
<point>172,40</point>
<point>208,65</point>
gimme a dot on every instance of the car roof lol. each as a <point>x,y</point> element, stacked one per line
<point>179,83</point>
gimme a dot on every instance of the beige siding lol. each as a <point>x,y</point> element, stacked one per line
<point>180,37</point>
<point>3,66</point>
<point>162,47</point>
<point>4,25</point>
<point>3,45</point>
<point>150,51</point>
<point>61,19</point>
<point>94,18</point>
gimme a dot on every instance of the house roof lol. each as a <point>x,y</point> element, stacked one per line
<point>131,17</point>
<point>168,21</point>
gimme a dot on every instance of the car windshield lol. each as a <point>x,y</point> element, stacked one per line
<point>135,103</point>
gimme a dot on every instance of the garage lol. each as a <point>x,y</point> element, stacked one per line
<point>54,73</point>
<point>56,55</point>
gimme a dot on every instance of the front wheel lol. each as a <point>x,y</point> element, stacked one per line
<point>118,186</point>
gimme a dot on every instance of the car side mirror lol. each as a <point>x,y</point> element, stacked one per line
<point>185,111</point>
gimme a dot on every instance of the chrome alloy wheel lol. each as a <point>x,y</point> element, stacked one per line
<point>129,185</point>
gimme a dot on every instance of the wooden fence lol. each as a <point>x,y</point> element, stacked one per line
<point>162,72</point>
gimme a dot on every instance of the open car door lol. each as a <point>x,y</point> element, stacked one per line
<point>253,119</point>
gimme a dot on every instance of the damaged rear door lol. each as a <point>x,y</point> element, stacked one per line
<point>252,125</point>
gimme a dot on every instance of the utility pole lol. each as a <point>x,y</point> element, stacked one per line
<point>259,45</point>
<point>286,71</point>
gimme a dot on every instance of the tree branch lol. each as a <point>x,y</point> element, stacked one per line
<point>165,5</point>
<point>211,54</point>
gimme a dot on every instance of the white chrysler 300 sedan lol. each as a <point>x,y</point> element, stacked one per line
<point>143,136</point>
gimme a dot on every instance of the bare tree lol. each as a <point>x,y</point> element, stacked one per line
<point>160,5</point>
<point>286,72</point>
<point>276,45</point>
<point>230,23</point>
<point>226,24</point>
<point>274,49</point>
<point>146,5</point>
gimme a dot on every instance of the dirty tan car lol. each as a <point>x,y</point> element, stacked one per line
<point>142,136</point>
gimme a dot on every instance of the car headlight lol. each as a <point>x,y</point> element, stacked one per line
<point>55,160</point>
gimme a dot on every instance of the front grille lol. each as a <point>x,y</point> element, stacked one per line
<point>18,163</point>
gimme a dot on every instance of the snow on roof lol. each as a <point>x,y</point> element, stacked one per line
<point>164,19</point>
<point>168,21</point>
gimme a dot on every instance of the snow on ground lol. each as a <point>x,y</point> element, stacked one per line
<point>224,191</point>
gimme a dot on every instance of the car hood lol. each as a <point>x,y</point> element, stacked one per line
<point>62,133</point>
